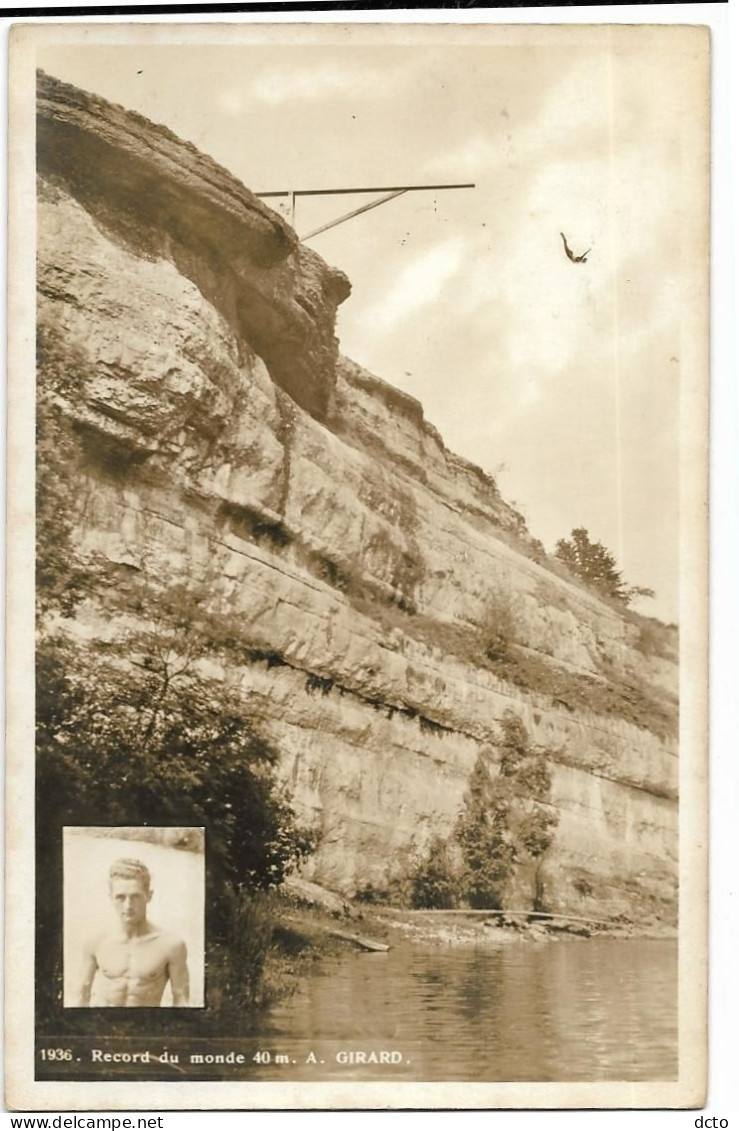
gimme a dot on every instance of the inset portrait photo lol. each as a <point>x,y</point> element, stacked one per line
<point>134,916</point>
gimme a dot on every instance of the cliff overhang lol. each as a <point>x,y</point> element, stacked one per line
<point>152,191</point>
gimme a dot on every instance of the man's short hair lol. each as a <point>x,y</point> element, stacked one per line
<point>127,868</point>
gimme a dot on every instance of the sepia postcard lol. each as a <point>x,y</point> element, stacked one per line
<point>357,548</point>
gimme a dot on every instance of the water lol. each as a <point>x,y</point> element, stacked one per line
<point>599,1009</point>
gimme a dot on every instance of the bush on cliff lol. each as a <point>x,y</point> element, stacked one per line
<point>501,627</point>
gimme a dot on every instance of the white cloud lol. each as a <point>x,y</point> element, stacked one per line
<point>417,285</point>
<point>474,156</point>
<point>280,85</point>
<point>230,101</point>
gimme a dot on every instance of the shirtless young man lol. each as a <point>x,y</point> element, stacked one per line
<point>135,960</point>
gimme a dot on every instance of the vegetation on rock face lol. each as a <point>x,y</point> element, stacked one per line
<point>610,692</point>
<point>61,576</point>
<point>506,820</point>
<point>500,630</point>
<point>592,562</point>
<point>497,645</point>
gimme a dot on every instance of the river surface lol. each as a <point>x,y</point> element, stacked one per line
<point>596,1009</point>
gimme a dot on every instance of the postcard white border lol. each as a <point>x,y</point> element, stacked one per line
<point>26,1094</point>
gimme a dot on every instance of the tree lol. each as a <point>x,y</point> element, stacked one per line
<point>505,819</point>
<point>488,850</point>
<point>597,566</point>
<point>134,734</point>
<point>149,740</point>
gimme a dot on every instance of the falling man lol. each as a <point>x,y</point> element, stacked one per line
<point>135,960</point>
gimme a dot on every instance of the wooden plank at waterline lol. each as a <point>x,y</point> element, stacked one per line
<point>499,911</point>
<point>364,943</point>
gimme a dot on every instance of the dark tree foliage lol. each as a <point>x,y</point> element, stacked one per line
<point>133,734</point>
<point>152,742</point>
<point>485,838</point>
<point>505,819</point>
<point>434,881</point>
<point>592,562</point>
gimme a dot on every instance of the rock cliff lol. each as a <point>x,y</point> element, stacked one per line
<point>391,605</point>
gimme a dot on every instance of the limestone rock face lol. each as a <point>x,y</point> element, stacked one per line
<point>370,573</point>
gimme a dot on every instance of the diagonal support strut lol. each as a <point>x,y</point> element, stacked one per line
<point>390,194</point>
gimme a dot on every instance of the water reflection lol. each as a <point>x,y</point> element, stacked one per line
<point>581,1010</point>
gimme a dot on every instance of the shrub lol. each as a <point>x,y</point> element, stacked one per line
<point>500,627</point>
<point>369,893</point>
<point>237,984</point>
<point>537,551</point>
<point>435,880</point>
<point>655,638</point>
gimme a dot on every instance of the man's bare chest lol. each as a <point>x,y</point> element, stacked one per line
<point>142,959</point>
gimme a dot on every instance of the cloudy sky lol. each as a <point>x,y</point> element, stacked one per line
<point>560,379</point>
